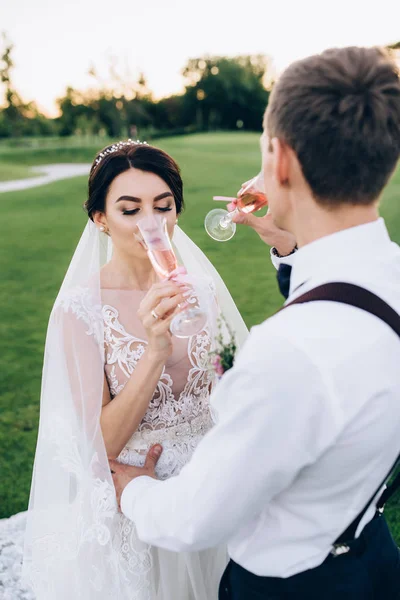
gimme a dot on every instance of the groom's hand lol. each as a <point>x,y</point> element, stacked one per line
<point>124,474</point>
<point>272,235</point>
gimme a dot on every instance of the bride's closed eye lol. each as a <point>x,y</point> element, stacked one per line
<point>130,212</point>
<point>136,210</point>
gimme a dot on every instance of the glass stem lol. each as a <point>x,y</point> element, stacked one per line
<point>227,219</point>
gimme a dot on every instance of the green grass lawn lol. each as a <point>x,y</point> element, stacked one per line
<point>41,228</point>
<point>10,171</point>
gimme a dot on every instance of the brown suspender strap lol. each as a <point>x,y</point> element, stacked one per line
<point>354,295</point>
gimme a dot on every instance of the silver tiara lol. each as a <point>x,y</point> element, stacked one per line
<point>116,147</point>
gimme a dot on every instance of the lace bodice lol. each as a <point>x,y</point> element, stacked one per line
<point>185,384</point>
<point>179,411</point>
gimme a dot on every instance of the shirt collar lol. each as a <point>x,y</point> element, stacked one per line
<point>362,242</point>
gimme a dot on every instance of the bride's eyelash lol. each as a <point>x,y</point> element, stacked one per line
<point>130,212</point>
<point>136,210</point>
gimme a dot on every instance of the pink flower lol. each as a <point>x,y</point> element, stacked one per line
<point>217,365</point>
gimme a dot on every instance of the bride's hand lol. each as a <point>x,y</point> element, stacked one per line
<point>156,312</point>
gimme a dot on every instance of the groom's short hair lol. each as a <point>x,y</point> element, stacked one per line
<point>340,112</point>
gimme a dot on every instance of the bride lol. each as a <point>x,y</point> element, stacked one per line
<point>115,382</point>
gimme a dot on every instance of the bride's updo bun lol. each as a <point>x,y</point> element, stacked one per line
<point>121,156</point>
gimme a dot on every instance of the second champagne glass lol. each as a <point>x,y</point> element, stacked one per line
<point>162,256</point>
<point>219,222</point>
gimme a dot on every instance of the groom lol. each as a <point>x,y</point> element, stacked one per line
<point>309,418</point>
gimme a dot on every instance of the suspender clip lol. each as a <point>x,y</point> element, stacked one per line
<point>339,549</point>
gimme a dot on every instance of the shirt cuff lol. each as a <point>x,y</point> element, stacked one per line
<point>285,260</point>
<point>133,491</point>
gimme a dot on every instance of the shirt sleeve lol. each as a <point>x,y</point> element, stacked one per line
<point>267,430</point>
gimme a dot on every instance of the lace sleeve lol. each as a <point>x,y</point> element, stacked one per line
<point>81,329</point>
<point>72,504</point>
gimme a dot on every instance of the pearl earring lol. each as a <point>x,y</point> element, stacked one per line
<point>101,228</point>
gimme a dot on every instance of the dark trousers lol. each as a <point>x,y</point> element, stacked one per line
<point>370,571</point>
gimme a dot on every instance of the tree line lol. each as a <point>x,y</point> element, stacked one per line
<point>221,93</point>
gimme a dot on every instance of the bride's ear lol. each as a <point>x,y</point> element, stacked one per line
<point>99,219</point>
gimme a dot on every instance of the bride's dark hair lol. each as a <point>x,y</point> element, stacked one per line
<point>110,163</point>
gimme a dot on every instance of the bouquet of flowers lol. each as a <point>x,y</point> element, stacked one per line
<point>222,358</point>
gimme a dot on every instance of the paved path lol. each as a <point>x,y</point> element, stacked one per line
<point>49,173</point>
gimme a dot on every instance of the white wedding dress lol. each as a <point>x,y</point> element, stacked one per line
<point>76,543</point>
<point>178,417</point>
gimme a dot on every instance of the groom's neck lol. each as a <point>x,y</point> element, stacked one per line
<point>314,221</point>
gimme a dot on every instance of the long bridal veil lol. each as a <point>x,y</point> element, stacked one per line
<point>70,543</point>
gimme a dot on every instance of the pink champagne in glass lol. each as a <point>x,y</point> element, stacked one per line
<point>251,202</point>
<point>219,223</point>
<point>164,262</point>
<point>190,320</point>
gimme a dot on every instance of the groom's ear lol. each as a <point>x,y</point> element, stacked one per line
<point>280,161</point>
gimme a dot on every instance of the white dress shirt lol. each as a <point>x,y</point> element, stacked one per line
<point>286,260</point>
<point>308,424</point>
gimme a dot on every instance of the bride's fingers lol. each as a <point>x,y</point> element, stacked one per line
<point>168,290</point>
<point>168,304</point>
<point>162,310</point>
<point>155,296</point>
<point>162,326</point>
<point>160,288</point>
<point>178,271</point>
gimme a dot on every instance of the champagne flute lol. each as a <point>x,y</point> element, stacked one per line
<point>163,259</point>
<point>219,222</point>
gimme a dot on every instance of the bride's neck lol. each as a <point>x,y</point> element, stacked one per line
<point>131,274</point>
